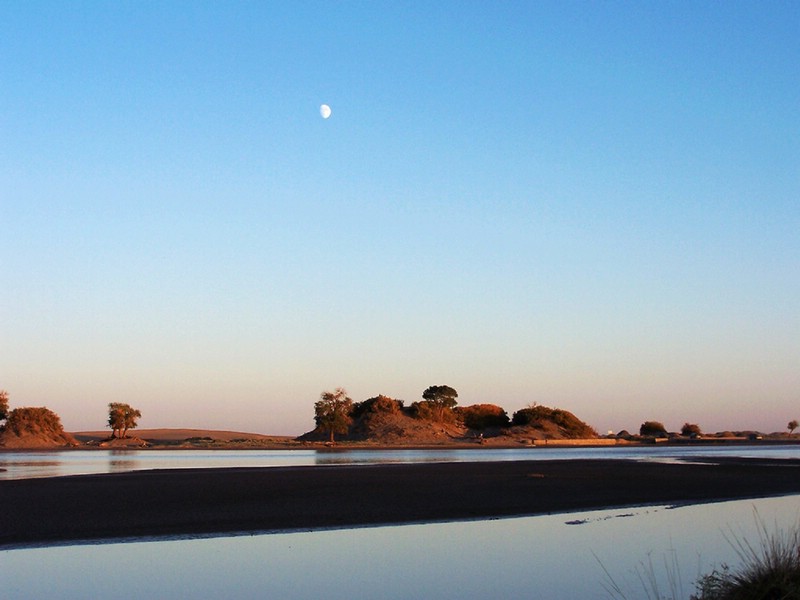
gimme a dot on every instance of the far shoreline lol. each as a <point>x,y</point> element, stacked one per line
<point>292,444</point>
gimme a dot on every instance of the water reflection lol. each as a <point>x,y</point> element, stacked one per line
<point>557,557</point>
<point>20,465</point>
<point>121,461</point>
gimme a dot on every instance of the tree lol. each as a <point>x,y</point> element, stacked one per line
<point>332,412</point>
<point>441,399</point>
<point>3,405</point>
<point>653,428</point>
<point>122,417</point>
<point>793,424</point>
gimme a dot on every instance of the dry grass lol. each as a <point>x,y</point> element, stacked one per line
<point>769,570</point>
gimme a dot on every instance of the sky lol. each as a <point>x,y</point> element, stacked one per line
<point>588,205</point>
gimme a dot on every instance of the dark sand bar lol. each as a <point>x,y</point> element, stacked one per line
<point>217,501</point>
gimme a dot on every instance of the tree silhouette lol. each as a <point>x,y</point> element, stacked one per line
<point>793,424</point>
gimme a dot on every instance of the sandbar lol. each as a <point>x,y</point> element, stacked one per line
<point>202,502</point>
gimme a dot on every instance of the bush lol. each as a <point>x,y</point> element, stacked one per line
<point>690,429</point>
<point>482,416</point>
<point>536,416</point>
<point>378,404</point>
<point>769,571</point>
<point>653,429</point>
<point>33,421</point>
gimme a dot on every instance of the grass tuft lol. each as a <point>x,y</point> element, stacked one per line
<point>770,570</point>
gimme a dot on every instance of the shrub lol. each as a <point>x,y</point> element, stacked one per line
<point>378,404</point>
<point>536,416</point>
<point>425,411</point>
<point>690,429</point>
<point>653,429</point>
<point>481,416</point>
<point>33,421</point>
<point>771,570</point>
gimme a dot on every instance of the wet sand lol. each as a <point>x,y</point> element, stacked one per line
<point>241,500</point>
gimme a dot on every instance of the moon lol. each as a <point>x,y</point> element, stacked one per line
<point>325,111</point>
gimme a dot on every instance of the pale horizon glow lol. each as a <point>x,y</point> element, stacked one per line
<point>589,206</point>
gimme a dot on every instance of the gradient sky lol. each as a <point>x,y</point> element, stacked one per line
<point>588,205</point>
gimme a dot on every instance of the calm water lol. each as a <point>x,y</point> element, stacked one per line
<point>556,557</point>
<point>19,465</point>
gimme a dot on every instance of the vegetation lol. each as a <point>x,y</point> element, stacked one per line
<point>333,412</point>
<point>568,424</point>
<point>482,416</point>
<point>771,570</point>
<point>793,424</point>
<point>3,405</point>
<point>121,418</point>
<point>689,429</point>
<point>438,405</point>
<point>33,421</point>
<point>652,429</point>
<point>768,571</point>
<point>378,404</point>
<point>31,427</point>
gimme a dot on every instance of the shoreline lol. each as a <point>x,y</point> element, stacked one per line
<point>203,502</point>
<point>280,443</point>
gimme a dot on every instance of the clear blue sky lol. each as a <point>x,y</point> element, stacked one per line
<point>588,205</point>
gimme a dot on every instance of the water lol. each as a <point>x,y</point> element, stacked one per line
<point>20,465</point>
<point>565,556</point>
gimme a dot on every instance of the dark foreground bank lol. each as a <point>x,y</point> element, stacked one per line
<point>211,501</point>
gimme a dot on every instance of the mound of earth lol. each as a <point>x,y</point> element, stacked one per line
<point>34,428</point>
<point>393,429</point>
<point>126,442</point>
<point>383,420</point>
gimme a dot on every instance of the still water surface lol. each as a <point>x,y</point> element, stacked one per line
<point>564,556</point>
<point>20,465</point>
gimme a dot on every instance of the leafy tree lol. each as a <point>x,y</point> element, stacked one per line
<point>122,417</point>
<point>332,412</point>
<point>441,399</point>
<point>793,424</point>
<point>652,428</point>
<point>3,405</point>
<point>690,429</point>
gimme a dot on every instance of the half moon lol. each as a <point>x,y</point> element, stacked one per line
<point>325,111</point>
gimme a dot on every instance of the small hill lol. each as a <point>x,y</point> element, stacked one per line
<point>37,427</point>
<point>383,420</point>
<point>551,423</point>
